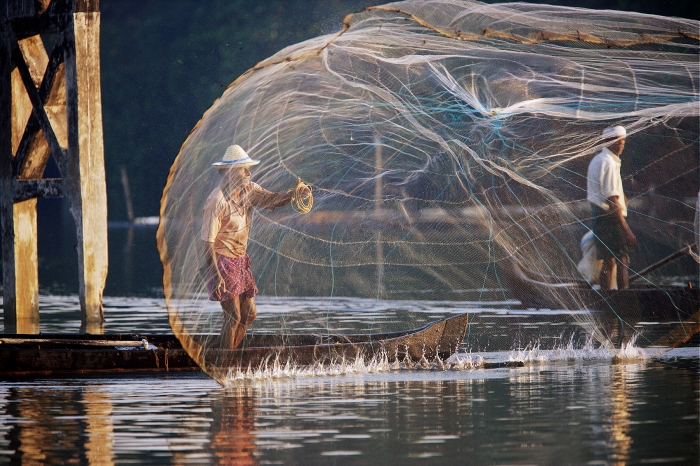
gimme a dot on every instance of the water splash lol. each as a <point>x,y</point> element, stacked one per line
<point>277,370</point>
<point>629,352</point>
<point>590,350</point>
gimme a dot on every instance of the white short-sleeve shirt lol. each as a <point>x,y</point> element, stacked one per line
<point>604,180</point>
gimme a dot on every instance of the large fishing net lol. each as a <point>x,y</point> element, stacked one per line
<point>447,143</point>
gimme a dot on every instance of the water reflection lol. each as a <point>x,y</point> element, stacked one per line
<point>76,424</point>
<point>620,416</point>
<point>578,412</point>
<point>232,440</point>
<point>99,428</point>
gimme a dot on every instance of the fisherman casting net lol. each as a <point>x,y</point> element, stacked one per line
<point>446,141</point>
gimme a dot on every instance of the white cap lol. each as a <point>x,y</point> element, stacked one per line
<point>615,132</point>
<point>235,156</point>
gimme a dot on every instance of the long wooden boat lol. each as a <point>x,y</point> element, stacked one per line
<point>65,354</point>
<point>663,309</point>
<point>435,340</point>
<point>72,355</point>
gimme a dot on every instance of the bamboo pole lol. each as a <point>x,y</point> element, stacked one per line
<point>681,252</point>
<point>127,195</point>
<point>378,211</point>
<point>68,342</point>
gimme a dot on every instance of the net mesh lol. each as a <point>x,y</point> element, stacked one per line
<point>447,143</point>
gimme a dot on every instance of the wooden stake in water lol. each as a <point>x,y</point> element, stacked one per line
<point>378,195</point>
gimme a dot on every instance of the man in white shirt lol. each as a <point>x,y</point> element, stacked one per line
<point>609,210</point>
<point>228,212</point>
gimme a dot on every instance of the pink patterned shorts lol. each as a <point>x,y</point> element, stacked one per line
<point>237,276</point>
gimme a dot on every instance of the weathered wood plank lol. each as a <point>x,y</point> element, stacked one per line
<point>26,267</point>
<point>44,24</point>
<point>33,189</point>
<point>87,6</point>
<point>24,209</point>
<point>25,8</point>
<point>18,9</point>
<point>32,17</point>
<point>32,152</point>
<point>84,181</point>
<point>37,102</point>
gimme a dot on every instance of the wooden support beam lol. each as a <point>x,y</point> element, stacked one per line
<point>7,219</point>
<point>26,268</point>
<point>27,185</point>
<point>32,151</point>
<point>51,105</point>
<point>87,6</point>
<point>39,112</point>
<point>34,189</point>
<point>23,8</point>
<point>30,18</point>
<point>84,180</point>
<point>19,239</point>
<point>25,315</point>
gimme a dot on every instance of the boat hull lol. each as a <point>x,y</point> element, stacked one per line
<point>438,340</point>
<point>648,315</point>
<point>75,355</point>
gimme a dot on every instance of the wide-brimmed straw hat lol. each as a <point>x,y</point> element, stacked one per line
<point>235,156</point>
<point>615,132</point>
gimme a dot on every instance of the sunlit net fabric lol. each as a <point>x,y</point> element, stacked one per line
<point>442,139</point>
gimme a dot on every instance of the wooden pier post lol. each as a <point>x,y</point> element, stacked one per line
<point>50,106</point>
<point>87,191</point>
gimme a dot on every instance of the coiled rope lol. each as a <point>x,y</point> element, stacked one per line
<point>299,204</point>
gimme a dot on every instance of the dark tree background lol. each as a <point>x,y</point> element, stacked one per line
<point>164,62</point>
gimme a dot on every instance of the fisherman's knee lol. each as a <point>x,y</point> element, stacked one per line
<point>248,310</point>
<point>232,309</point>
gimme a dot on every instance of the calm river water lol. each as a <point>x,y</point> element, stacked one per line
<point>565,406</point>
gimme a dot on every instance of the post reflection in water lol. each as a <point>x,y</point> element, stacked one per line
<point>65,426</point>
<point>99,427</point>
<point>620,415</point>
<point>232,440</point>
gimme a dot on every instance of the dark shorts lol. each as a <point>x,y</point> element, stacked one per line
<point>237,276</point>
<point>609,235</point>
